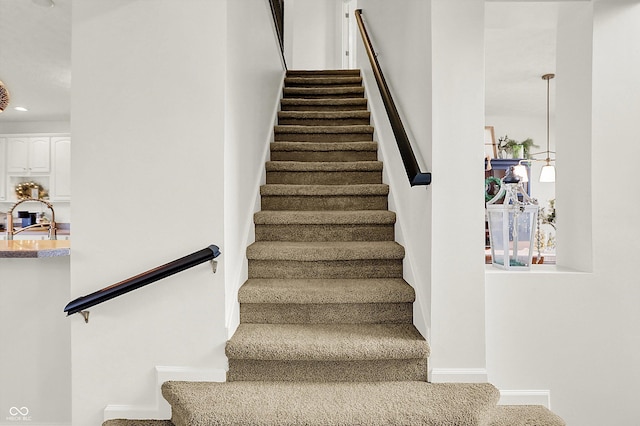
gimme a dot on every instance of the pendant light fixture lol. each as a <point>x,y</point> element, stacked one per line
<point>548,172</point>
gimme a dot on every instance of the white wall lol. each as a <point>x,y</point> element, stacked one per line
<point>457,313</point>
<point>313,34</point>
<point>441,101</point>
<point>35,360</point>
<point>576,334</point>
<point>254,85</point>
<point>148,101</point>
<point>391,29</point>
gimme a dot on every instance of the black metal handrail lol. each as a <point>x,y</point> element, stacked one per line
<point>142,279</point>
<point>415,175</point>
<point>277,11</point>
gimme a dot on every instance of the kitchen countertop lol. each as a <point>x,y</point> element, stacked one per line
<point>34,248</point>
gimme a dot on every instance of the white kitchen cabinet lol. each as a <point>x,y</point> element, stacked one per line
<point>28,155</point>
<point>61,168</point>
<point>3,172</point>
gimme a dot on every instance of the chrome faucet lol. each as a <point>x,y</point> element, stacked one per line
<point>51,225</point>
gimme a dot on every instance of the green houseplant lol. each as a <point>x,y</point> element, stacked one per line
<point>515,148</point>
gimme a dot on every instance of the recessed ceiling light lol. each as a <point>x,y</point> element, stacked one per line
<point>23,109</point>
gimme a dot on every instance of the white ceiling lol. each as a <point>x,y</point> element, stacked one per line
<point>35,58</point>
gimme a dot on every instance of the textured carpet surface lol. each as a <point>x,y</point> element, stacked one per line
<point>524,415</point>
<point>126,422</point>
<point>326,291</point>
<point>389,403</point>
<point>326,334</point>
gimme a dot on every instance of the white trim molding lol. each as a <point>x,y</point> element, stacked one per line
<point>458,375</point>
<point>526,397</point>
<point>162,410</point>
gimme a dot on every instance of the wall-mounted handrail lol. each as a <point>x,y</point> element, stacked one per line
<point>277,11</point>
<point>142,279</point>
<point>415,175</point>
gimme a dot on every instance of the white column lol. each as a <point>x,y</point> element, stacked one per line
<point>457,275</point>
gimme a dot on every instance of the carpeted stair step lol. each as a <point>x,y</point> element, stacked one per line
<point>324,92</point>
<point>127,422</point>
<point>344,104</point>
<point>323,73</point>
<point>358,133</point>
<point>327,352</point>
<point>324,118</point>
<point>352,259</point>
<point>324,197</point>
<point>324,151</point>
<point>339,301</point>
<point>329,404</point>
<point>362,225</point>
<point>323,81</point>
<point>524,415</point>
<point>324,173</point>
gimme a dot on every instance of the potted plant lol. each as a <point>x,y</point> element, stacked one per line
<point>515,149</point>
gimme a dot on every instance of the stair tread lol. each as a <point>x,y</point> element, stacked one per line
<point>311,73</point>
<point>327,115</point>
<point>327,342</point>
<point>524,415</point>
<point>355,128</point>
<point>319,291</point>
<point>315,404</point>
<point>324,190</point>
<point>323,166</point>
<point>324,102</point>
<point>146,422</point>
<point>329,90</point>
<point>311,251</point>
<point>324,217</point>
<point>323,80</point>
<point>324,146</point>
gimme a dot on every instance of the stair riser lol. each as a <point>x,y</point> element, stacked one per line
<point>323,137</point>
<point>328,371</point>
<point>324,122</point>
<point>324,178</point>
<point>324,155</point>
<point>329,313</point>
<point>359,107</point>
<point>307,203</point>
<point>349,232</point>
<point>383,268</point>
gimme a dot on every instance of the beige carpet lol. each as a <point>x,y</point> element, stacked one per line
<point>326,333</point>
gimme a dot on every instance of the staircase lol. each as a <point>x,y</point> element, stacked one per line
<point>326,333</point>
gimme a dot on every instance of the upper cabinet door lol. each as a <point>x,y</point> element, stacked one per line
<point>39,155</point>
<point>17,155</point>
<point>61,168</point>
<point>28,155</point>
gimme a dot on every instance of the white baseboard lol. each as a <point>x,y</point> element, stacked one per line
<point>525,397</point>
<point>458,375</point>
<point>30,423</point>
<point>161,410</point>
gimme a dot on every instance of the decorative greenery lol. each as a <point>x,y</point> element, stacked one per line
<point>512,145</point>
<point>491,187</point>
<point>23,190</point>
<point>550,217</point>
